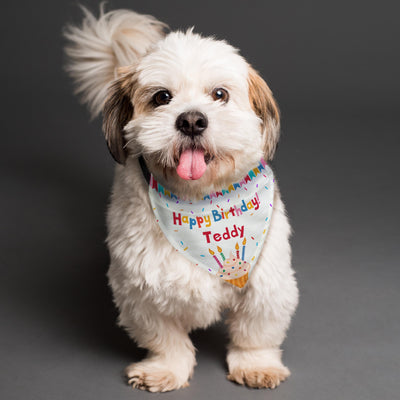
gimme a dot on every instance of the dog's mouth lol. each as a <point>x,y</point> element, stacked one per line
<point>192,163</point>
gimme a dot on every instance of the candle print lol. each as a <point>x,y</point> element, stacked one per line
<point>215,257</point>
<point>221,253</point>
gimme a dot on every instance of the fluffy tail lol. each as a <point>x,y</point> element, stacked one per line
<point>97,48</point>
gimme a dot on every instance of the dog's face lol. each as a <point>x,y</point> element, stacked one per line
<point>196,111</point>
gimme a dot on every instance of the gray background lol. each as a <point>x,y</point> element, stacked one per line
<point>334,69</point>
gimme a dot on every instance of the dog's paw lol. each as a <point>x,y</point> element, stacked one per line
<point>268,377</point>
<point>154,377</point>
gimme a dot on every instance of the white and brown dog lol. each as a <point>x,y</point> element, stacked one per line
<point>200,117</point>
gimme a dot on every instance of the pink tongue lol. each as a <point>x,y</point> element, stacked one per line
<point>191,164</point>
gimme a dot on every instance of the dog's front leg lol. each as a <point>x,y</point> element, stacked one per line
<point>258,325</point>
<point>171,358</point>
<point>254,356</point>
<point>259,320</point>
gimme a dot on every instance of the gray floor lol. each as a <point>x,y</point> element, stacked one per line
<point>338,171</point>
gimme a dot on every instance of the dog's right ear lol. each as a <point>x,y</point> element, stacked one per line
<point>117,112</point>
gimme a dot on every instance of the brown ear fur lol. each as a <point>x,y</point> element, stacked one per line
<point>117,112</point>
<point>265,107</point>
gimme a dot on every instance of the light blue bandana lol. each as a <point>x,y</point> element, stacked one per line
<point>224,232</point>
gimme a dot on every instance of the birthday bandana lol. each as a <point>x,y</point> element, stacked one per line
<point>224,232</point>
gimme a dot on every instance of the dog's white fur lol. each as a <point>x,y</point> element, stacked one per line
<point>161,296</point>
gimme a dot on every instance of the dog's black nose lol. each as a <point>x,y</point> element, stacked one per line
<point>191,123</point>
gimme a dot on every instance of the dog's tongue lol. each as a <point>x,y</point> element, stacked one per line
<point>191,164</point>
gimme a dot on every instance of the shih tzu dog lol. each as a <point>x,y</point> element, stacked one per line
<point>196,224</point>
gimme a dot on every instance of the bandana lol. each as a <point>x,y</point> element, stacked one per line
<point>224,232</point>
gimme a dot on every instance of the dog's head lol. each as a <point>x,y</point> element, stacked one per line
<point>199,114</point>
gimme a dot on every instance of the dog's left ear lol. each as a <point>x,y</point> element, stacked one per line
<point>117,112</point>
<point>265,107</point>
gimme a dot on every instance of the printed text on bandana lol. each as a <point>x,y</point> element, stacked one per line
<point>207,220</point>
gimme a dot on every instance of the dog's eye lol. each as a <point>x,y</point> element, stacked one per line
<point>220,94</point>
<point>162,97</point>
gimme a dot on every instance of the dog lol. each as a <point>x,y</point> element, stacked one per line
<point>190,112</point>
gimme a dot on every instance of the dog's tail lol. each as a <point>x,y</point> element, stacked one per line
<point>97,48</point>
